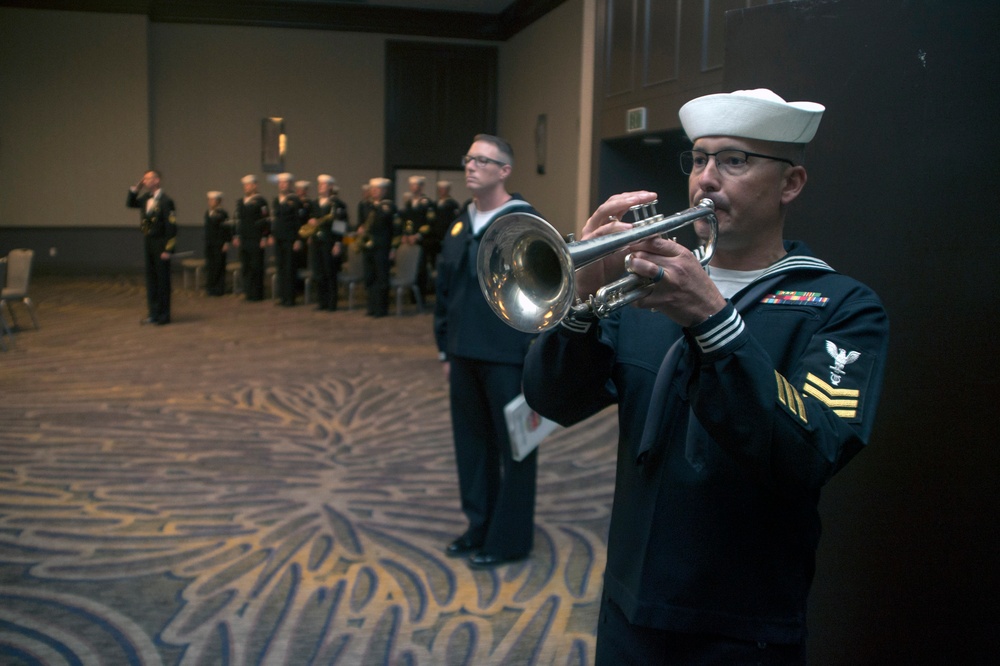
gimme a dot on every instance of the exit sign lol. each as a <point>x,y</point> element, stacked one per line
<point>635,120</point>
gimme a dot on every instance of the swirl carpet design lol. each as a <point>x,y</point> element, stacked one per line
<point>263,485</point>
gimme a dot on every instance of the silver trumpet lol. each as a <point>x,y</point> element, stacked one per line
<point>526,268</point>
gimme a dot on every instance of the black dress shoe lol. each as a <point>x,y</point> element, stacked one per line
<point>463,545</point>
<point>489,560</point>
<point>147,320</point>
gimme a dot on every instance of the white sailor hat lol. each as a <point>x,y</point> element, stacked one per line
<point>284,176</point>
<point>379,182</point>
<point>214,194</point>
<point>301,184</point>
<point>417,179</point>
<point>249,178</point>
<point>325,178</point>
<point>444,183</point>
<point>751,114</point>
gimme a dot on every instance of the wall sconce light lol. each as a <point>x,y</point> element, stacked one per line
<point>274,143</point>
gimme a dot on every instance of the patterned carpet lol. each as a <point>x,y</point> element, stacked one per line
<point>263,485</point>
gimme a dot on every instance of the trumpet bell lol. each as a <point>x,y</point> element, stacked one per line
<point>525,272</point>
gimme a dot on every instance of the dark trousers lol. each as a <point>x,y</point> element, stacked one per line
<point>377,266</point>
<point>157,281</point>
<point>497,492</point>
<point>432,257</point>
<point>252,269</point>
<point>622,644</point>
<point>284,260</point>
<point>215,270</point>
<point>325,268</point>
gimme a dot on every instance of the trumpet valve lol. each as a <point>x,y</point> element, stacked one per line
<point>644,213</point>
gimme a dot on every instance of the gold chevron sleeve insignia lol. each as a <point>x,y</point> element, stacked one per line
<point>790,398</point>
<point>843,402</point>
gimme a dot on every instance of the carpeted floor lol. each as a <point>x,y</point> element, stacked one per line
<point>264,485</point>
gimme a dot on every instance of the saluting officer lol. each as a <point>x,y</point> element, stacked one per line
<point>218,234</point>
<point>158,223</point>
<point>252,229</point>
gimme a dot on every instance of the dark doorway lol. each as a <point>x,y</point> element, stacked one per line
<point>647,162</point>
<point>437,97</point>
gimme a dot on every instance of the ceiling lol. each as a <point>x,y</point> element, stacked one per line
<point>495,20</point>
<point>474,6</point>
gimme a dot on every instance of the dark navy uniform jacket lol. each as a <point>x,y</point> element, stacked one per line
<point>252,220</point>
<point>288,217</point>
<point>159,223</point>
<point>464,324</point>
<point>722,456</point>
<point>217,230</point>
<point>418,216</point>
<point>382,226</point>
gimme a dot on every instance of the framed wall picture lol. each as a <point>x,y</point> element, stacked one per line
<point>541,141</point>
<point>273,143</point>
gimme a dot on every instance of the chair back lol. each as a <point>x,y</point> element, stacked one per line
<point>408,258</point>
<point>18,273</point>
<point>354,266</point>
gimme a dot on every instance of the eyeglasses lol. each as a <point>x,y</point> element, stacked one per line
<point>729,162</point>
<point>481,160</point>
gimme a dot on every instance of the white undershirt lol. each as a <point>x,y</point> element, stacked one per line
<point>153,200</point>
<point>480,218</point>
<point>730,282</point>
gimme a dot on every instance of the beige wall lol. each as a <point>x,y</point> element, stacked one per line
<point>74,116</point>
<point>88,100</point>
<point>213,85</point>
<point>540,73</point>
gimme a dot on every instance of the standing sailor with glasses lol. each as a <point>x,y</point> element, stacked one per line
<point>741,390</point>
<point>483,360</point>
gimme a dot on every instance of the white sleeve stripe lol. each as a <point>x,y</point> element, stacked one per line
<point>576,325</point>
<point>709,336</point>
<point>721,335</point>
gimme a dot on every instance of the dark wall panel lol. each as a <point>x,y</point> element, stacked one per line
<point>90,250</point>
<point>437,98</point>
<point>902,195</point>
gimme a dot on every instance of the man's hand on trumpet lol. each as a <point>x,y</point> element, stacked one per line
<point>607,220</point>
<point>682,289</point>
